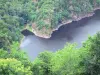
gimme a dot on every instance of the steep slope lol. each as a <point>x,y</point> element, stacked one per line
<point>51,14</point>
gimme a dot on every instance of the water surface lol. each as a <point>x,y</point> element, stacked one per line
<point>76,32</point>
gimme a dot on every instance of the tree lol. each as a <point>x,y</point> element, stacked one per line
<point>13,15</point>
<point>67,61</point>
<point>13,67</point>
<point>16,53</point>
<point>42,66</point>
<point>92,60</point>
<point>4,38</point>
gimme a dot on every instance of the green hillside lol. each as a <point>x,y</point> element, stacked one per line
<point>43,16</point>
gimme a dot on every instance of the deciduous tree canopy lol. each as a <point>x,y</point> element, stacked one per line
<point>46,14</point>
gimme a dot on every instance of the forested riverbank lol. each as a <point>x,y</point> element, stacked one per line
<point>43,16</point>
<point>55,13</point>
<point>70,60</point>
<point>16,15</point>
<point>75,32</point>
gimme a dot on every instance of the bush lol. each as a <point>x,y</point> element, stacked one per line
<point>92,61</point>
<point>13,67</point>
<point>67,61</point>
<point>41,66</point>
<point>16,53</point>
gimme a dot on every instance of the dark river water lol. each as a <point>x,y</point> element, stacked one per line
<point>76,32</point>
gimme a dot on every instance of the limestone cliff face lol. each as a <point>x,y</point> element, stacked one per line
<point>52,14</point>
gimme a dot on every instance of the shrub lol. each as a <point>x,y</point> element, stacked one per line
<point>13,67</point>
<point>92,61</point>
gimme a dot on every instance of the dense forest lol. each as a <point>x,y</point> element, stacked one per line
<point>53,13</point>
<point>45,15</point>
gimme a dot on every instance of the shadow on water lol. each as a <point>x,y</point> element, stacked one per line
<point>26,32</point>
<point>74,32</point>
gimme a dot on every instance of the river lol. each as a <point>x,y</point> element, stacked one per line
<point>76,32</point>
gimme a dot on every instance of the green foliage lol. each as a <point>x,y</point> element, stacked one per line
<point>4,31</point>
<point>67,61</point>
<point>46,14</point>
<point>3,54</point>
<point>58,11</point>
<point>92,61</point>
<point>71,60</point>
<point>98,2</point>
<point>40,24</point>
<point>16,53</point>
<point>13,15</point>
<point>41,66</point>
<point>13,67</point>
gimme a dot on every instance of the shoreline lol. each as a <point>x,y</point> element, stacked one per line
<point>90,14</point>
